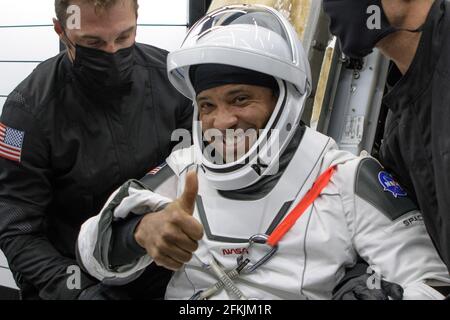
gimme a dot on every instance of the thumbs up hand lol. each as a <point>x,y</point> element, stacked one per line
<point>187,199</point>
<point>170,236</point>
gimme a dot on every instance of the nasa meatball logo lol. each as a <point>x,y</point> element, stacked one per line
<point>389,184</point>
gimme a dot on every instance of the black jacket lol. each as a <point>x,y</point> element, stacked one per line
<point>416,144</point>
<point>77,149</point>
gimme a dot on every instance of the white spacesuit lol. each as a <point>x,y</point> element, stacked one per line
<point>360,210</point>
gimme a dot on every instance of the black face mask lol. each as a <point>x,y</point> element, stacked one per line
<point>349,23</point>
<point>102,72</point>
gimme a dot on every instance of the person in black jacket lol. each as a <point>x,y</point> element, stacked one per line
<point>415,35</point>
<point>78,127</point>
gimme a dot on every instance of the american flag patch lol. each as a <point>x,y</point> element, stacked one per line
<point>157,169</point>
<point>11,141</point>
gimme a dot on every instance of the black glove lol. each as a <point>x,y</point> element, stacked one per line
<point>101,291</point>
<point>356,288</point>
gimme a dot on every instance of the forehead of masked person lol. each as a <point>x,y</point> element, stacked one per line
<point>233,98</point>
<point>109,29</point>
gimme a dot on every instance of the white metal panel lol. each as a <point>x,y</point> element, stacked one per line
<point>26,12</point>
<point>163,12</point>
<point>356,108</point>
<point>12,74</point>
<point>32,12</point>
<point>169,38</point>
<point>35,44</point>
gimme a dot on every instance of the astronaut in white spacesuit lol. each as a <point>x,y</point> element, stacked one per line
<point>274,210</point>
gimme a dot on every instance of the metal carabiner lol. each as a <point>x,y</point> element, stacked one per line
<point>257,239</point>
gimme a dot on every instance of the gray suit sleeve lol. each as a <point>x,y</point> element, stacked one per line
<point>124,249</point>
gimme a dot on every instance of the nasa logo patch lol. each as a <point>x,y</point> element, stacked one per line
<point>389,184</point>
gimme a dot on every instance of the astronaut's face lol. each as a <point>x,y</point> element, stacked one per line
<point>238,112</point>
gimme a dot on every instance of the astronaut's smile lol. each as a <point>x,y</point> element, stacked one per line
<point>231,116</point>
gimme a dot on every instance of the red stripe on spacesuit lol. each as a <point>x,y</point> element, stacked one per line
<point>298,211</point>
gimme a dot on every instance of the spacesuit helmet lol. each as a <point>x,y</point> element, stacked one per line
<point>259,39</point>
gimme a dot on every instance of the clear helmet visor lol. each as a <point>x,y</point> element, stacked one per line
<point>256,38</point>
<point>230,27</point>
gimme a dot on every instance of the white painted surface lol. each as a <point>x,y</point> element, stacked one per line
<point>20,12</point>
<point>34,43</point>
<point>163,12</point>
<point>169,38</point>
<point>16,73</point>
